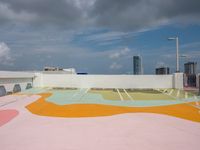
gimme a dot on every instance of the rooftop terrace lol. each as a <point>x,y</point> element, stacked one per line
<point>60,115</point>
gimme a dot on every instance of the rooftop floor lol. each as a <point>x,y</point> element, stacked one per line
<point>100,119</point>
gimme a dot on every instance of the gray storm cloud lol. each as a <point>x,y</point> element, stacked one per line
<point>114,14</point>
<point>42,12</point>
<point>137,14</point>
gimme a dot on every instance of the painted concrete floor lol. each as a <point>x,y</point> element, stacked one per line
<point>20,129</point>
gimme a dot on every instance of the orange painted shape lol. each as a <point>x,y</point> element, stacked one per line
<point>44,108</point>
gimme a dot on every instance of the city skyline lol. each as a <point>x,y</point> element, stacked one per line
<point>98,37</point>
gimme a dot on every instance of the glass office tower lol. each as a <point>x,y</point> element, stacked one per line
<point>137,65</point>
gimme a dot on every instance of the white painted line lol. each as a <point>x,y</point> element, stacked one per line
<point>170,93</point>
<point>197,103</point>
<point>164,90</point>
<point>85,92</point>
<point>193,105</point>
<point>157,89</point>
<point>186,94</point>
<point>167,94</point>
<point>196,106</point>
<point>120,95</point>
<point>128,94</point>
<point>77,93</point>
<point>178,93</point>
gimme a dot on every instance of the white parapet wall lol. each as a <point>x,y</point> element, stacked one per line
<point>8,79</point>
<point>38,80</point>
<point>178,81</point>
<point>109,81</point>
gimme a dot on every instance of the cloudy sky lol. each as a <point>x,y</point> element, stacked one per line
<point>97,36</point>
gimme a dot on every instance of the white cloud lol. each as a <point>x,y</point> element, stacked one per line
<point>83,3</point>
<point>110,37</point>
<point>161,64</point>
<point>120,53</point>
<point>194,54</point>
<point>5,57</point>
<point>107,36</point>
<point>115,65</point>
<point>115,55</point>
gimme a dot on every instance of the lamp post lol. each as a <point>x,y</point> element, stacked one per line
<point>177,52</point>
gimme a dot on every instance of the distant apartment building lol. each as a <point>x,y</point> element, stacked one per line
<point>198,81</point>
<point>137,65</point>
<point>59,70</point>
<point>162,70</point>
<point>190,70</point>
<point>52,69</point>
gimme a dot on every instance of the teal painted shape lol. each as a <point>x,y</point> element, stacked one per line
<point>80,97</point>
<point>60,97</point>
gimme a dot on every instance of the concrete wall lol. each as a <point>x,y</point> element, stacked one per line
<point>13,74</point>
<point>9,79</point>
<point>178,81</point>
<point>109,81</point>
<point>38,80</point>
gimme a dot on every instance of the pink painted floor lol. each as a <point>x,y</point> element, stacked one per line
<point>140,131</point>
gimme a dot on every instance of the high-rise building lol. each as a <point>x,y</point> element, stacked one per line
<point>137,65</point>
<point>190,68</point>
<point>162,70</point>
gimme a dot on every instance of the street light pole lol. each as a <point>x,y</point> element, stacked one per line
<point>177,52</point>
<point>177,55</point>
